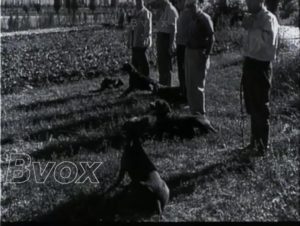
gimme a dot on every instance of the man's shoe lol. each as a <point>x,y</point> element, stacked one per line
<point>249,148</point>
<point>260,151</point>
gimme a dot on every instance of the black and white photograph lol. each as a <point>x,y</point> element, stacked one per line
<point>150,111</point>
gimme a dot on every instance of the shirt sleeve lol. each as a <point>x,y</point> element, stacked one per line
<point>265,36</point>
<point>269,31</point>
<point>172,17</point>
<point>148,29</point>
<point>207,23</point>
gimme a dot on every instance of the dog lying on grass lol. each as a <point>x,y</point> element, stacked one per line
<point>149,190</point>
<point>170,94</point>
<point>163,122</point>
<point>109,83</point>
<point>173,124</point>
<point>137,81</point>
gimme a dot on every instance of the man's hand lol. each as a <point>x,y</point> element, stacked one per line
<point>172,48</point>
<point>248,22</point>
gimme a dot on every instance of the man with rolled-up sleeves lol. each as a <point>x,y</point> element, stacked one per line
<point>165,43</point>
<point>140,37</point>
<point>259,50</point>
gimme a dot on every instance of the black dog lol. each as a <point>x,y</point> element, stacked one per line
<point>170,94</point>
<point>109,83</point>
<point>137,81</point>
<point>173,124</point>
<point>149,190</point>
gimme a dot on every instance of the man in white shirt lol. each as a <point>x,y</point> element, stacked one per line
<point>140,37</point>
<point>259,50</point>
<point>166,33</point>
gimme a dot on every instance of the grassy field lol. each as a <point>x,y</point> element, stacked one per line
<point>63,121</point>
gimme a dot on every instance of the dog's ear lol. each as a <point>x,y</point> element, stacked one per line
<point>162,107</point>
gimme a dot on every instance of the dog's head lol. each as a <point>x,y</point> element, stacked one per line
<point>107,82</point>
<point>160,108</point>
<point>127,67</point>
<point>135,127</point>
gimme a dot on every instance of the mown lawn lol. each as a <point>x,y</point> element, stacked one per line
<point>63,121</point>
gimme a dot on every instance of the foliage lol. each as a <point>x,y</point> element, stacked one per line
<point>63,122</point>
<point>289,12</point>
<point>287,74</point>
<point>69,57</point>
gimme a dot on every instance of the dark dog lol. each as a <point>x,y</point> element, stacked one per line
<point>109,83</point>
<point>149,190</point>
<point>137,81</point>
<point>173,124</point>
<point>170,94</point>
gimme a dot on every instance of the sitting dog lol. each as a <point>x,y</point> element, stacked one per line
<point>177,125</point>
<point>149,189</point>
<point>109,83</point>
<point>137,81</point>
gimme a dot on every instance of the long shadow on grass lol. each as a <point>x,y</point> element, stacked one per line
<point>89,144</point>
<point>69,127</point>
<point>61,101</point>
<point>88,109</point>
<point>186,183</point>
<point>94,207</point>
<point>49,103</point>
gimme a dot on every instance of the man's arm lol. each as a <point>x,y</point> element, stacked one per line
<point>269,32</point>
<point>265,36</point>
<point>148,30</point>
<point>173,17</point>
<point>210,32</point>
<point>211,42</point>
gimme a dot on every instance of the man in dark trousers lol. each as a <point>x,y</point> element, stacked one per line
<point>165,43</point>
<point>140,37</point>
<point>181,41</point>
<point>259,50</point>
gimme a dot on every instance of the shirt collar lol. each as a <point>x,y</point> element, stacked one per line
<point>137,12</point>
<point>262,11</point>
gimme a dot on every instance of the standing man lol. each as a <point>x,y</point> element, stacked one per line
<point>259,49</point>
<point>200,39</point>
<point>140,37</point>
<point>121,18</point>
<point>165,43</point>
<point>181,41</point>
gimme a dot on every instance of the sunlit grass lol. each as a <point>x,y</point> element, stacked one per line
<point>65,123</point>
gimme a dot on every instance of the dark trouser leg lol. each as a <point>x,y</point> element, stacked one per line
<point>181,69</point>
<point>140,61</point>
<point>164,58</point>
<point>256,83</point>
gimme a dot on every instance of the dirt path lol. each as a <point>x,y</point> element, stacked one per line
<point>47,30</point>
